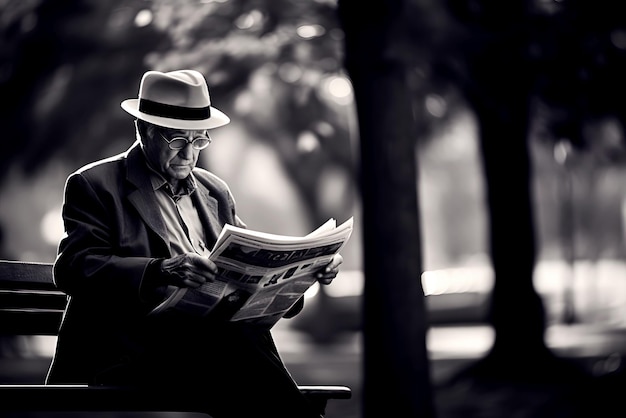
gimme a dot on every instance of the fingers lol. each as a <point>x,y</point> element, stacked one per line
<point>335,262</point>
<point>328,274</point>
<point>189,270</point>
<point>194,280</point>
<point>325,281</point>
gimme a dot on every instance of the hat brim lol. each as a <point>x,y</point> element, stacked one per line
<point>217,119</point>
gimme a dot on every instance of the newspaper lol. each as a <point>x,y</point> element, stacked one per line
<point>260,275</point>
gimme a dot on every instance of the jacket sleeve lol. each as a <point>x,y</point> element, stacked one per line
<point>87,263</point>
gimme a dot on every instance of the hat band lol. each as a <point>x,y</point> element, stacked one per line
<point>174,112</point>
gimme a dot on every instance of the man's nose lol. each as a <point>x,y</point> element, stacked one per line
<point>187,151</point>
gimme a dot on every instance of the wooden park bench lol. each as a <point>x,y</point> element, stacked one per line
<point>30,304</point>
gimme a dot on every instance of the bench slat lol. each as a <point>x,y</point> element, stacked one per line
<point>105,398</point>
<point>24,322</point>
<point>34,299</point>
<point>26,275</point>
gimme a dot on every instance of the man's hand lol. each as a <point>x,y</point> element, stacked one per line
<point>188,270</point>
<point>328,273</point>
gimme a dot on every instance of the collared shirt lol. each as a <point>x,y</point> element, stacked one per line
<point>181,216</point>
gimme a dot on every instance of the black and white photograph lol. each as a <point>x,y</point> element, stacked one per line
<point>312,209</point>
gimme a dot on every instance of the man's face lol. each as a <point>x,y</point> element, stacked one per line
<point>174,164</point>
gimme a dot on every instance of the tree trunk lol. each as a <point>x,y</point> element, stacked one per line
<point>396,368</point>
<point>502,106</point>
<point>517,312</point>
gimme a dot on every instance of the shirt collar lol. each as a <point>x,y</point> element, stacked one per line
<point>157,180</point>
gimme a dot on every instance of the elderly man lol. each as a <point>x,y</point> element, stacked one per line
<point>145,220</point>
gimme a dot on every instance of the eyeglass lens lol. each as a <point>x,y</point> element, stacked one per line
<point>200,142</point>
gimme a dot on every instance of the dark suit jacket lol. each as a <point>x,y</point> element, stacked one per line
<point>114,229</point>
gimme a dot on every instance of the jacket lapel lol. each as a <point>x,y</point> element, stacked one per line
<point>206,205</point>
<point>143,198</point>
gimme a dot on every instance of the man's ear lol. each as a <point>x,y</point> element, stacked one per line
<point>141,129</point>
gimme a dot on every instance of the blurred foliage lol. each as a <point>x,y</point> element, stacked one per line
<point>66,65</point>
<point>571,52</point>
<point>62,62</point>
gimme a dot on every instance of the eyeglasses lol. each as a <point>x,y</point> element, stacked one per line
<point>180,142</point>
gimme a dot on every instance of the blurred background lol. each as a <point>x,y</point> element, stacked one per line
<point>290,156</point>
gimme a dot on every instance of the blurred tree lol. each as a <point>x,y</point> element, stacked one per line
<point>509,58</point>
<point>61,64</point>
<point>502,108</point>
<point>504,59</point>
<point>396,368</point>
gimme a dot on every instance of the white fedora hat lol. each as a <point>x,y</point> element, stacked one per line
<point>176,99</point>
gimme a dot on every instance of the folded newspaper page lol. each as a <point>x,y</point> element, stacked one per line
<point>261,275</point>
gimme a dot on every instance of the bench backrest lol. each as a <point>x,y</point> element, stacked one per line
<point>30,304</point>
